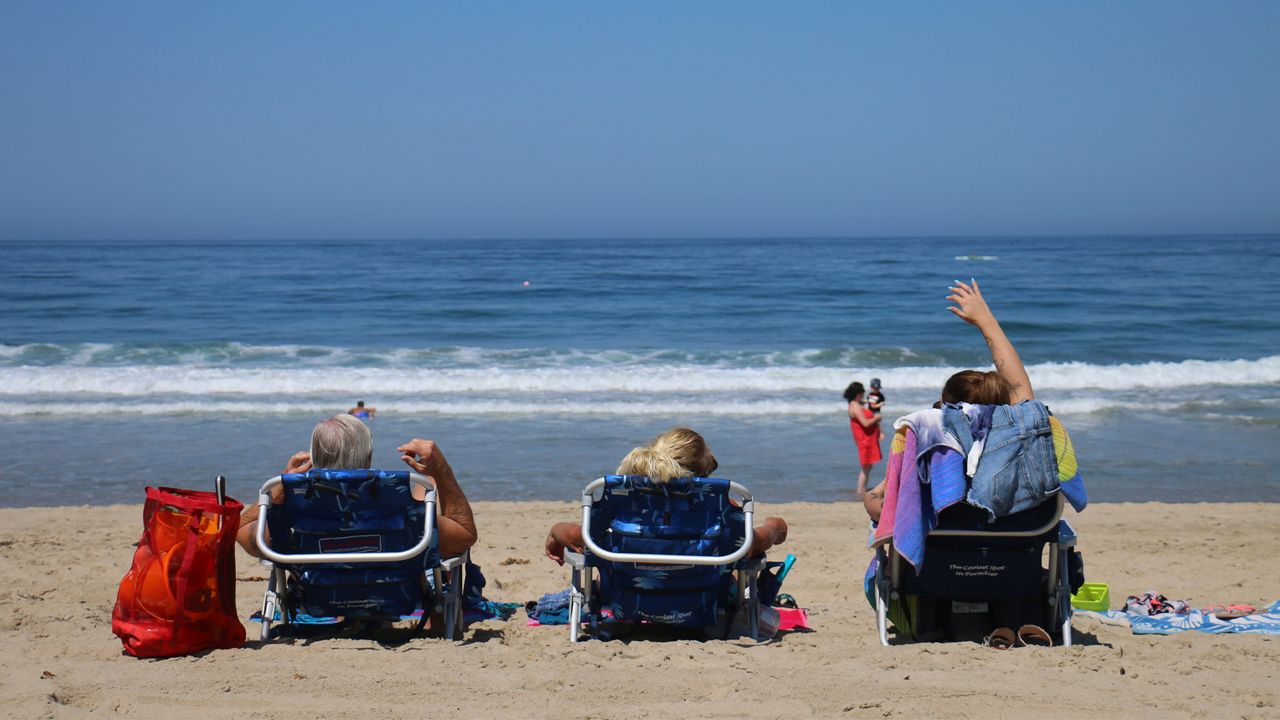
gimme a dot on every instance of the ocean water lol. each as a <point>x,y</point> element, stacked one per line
<point>126,364</point>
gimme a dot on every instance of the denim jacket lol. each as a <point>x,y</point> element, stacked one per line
<point>1017,469</point>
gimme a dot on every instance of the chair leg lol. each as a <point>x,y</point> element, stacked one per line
<point>882,618</point>
<point>577,598</point>
<point>882,604</point>
<point>453,605</point>
<point>1064,598</point>
<point>575,616</point>
<point>269,603</point>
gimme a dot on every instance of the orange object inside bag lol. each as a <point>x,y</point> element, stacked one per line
<point>179,595</point>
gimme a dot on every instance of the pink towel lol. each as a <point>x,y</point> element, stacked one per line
<point>893,482</point>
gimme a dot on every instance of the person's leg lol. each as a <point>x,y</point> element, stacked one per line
<point>870,470</point>
<point>863,476</point>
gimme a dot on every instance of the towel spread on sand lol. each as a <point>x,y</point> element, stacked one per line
<point>789,619</point>
<point>488,610</point>
<point>1264,623</point>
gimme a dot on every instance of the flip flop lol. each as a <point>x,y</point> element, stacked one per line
<point>1034,635</point>
<point>1231,612</point>
<point>1001,638</point>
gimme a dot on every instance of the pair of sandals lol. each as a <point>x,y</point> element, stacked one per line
<point>1003,638</point>
<point>1229,612</point>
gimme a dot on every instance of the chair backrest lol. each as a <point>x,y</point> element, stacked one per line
<point>353,512</point>
<point>682,517</point>
<point>963,519</point>
<point>971,558</point>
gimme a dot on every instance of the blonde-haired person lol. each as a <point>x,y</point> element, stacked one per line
<point>677,453</point>
<point>1008,384</point>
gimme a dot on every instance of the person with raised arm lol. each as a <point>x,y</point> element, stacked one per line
<point>1008,384</point>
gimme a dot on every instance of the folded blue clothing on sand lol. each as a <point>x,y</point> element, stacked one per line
<point>550,609</point>
<point>1263,623</point>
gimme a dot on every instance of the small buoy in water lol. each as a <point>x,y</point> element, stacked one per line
<point>526,283</point>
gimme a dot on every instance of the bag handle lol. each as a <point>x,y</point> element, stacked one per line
<point>184,570</point>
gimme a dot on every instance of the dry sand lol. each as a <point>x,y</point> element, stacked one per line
<point>61,567</point>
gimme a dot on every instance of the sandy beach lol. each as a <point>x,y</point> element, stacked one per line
<point>61,567</point>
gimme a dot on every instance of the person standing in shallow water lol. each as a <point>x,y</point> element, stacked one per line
<point>865,424</point>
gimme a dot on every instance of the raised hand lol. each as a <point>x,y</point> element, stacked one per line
<point>421,455</point>
<point>972,307</point>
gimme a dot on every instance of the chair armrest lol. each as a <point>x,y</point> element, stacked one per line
<point>453,563</point>
<point>1066,534</point>
<point>575,559</point>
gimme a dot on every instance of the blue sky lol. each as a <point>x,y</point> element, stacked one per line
<point>462,120</point>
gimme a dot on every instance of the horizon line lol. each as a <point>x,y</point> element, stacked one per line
<point>658,238</point>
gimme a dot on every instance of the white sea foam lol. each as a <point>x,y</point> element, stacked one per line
<point>1066,407</point>
<point>402,408</point>
<point>236,354</point>
<point>168,380</point>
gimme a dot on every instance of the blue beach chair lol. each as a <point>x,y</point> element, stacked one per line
<point>664,553</point>
<point>354,543</point>
<point>974,570</point>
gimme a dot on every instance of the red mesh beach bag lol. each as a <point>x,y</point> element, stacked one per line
<point>179,596</point>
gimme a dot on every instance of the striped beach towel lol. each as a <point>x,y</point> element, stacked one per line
<point>911,505</point>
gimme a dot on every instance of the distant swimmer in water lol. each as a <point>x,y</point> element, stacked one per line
<point>362,412</point>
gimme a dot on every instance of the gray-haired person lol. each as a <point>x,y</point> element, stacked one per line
<point>344,443</point>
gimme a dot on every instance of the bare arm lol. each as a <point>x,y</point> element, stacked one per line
<point>456,525</point>
<point>569,536</point>
<point>873,501</point>
<point>855,413</point>
<point>772,532</point>
<point>300,462</point>
<point>562,536</point>
<point>973,310</point>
